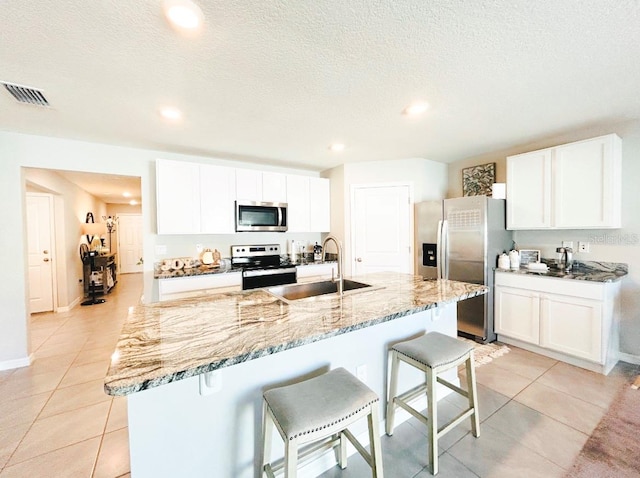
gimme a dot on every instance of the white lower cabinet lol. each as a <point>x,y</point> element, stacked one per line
<point>568,319</point>
<point>183,287</point>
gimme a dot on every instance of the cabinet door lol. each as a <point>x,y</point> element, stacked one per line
<point>217,199</point>
<point>517,314</point>
<point>248,184</point>
<point>177,197</point>
<point>320,205</point>
<point>587,184</point>
<point>529,190</point>
<point>298,203</point>
<point>274,187</point>
<point>572,325</point>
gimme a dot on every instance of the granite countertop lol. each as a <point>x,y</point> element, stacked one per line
<point>585,270</point>
<point>169,341</point>
<point>206,270</point>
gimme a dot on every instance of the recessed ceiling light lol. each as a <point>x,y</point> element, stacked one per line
<point>170,113</point>
<point>416,108</point>
<point>126,194</point>
<point>183,14</point>
<point>337,147</point>
<point>133,202</point>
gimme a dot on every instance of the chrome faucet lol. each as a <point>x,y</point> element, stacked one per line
<point>339,279</point>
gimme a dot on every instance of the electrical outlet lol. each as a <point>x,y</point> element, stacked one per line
<point>361,373</point>
<point>567,244</point>
<point>199,248</point>
<point>583,246</point>
<point>210,382</point>
<point>161,250</point>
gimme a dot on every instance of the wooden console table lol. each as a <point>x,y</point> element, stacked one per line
<point>104,266</point>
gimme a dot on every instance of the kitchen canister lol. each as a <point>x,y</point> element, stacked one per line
<point>514,259</point>
<point>503,261</point>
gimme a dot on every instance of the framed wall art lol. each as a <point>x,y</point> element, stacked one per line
<point>477,180</point>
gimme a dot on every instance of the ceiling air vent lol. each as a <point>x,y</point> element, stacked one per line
<point>26,94</point>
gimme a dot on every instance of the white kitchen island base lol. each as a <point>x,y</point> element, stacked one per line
<point>176,431</point>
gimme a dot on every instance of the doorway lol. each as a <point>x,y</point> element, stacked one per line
<point>130,243</point>
<point>40,252</point>
<point>382,228</point>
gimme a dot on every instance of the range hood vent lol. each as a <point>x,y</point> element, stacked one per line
<point>26,94</point>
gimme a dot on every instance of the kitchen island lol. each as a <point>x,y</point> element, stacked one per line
<point>194,369</point>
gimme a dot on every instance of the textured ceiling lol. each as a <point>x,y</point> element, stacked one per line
<point>278,81</point>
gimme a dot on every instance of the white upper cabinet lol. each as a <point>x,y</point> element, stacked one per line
<point>249,184</point>
<point>274,187</point>
<point>178,197</point>
<point>298,205</point>
<point>320,205</point>
<point>217,199</point>
<point>572,186</point>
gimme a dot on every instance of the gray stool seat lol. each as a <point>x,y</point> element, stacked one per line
<point>433,353</point>
<point>434,349</point>
<point>319,405</point>
<point>316,413</point>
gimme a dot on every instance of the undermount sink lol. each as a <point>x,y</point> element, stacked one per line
<point>313,289</point>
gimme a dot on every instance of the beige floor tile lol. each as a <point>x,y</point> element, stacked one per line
<point>113,458</point>
<point>524,363</point>
<point>22,410</point>
<point>94,355</point>
<point>496,455</point>
<point>589,386</point>
<point>488,401</point>
<point>10,439</point>
<point>500,380</point>
<point>572,411</point>
<point>118,417</point>
<point>75,396</point>
<point>39,365</point>
<point>28,385</point>
<point>51,350</point>
<point>85,373</point>
<point>553,440</point>
<point>58,431</point>
<point>75,461</point>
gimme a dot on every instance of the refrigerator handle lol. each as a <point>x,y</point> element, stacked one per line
<point>445,249</point>
<point>439,255</point>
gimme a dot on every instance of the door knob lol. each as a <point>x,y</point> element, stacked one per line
<point>45,252</point>
<point>46,259</point>
<point>359,259</point>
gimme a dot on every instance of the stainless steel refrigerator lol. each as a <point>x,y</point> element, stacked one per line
<point>460,239</point>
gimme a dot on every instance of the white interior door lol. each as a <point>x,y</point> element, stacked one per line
<point>39,250</point>
<point>130,243</point>
<point>382,229</point>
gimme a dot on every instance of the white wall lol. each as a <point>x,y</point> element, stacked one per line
<point>18,151</point>
<point>428,178</point>
<point>618,245</point>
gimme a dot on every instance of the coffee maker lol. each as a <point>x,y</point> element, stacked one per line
<point>565,258</point>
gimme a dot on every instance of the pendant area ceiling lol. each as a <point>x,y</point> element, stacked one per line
<point>277,82</point>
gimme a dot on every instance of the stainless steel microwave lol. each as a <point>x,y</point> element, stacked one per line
<point>261,216</point>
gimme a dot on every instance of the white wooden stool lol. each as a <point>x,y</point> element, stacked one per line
<point>433,353</point>
<point>315,414</point>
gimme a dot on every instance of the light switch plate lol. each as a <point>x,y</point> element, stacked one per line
<point>161,250</point>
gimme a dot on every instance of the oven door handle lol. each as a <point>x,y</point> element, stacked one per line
<point>267,272</point>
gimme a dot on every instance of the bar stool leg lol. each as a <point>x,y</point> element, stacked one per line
<point>432,412</point>
<point>342,451</point>
<point>267,433</point>
<point>374,442</point>
<point>291,459</point>
<point>473,395</point>
<point>393,391</point>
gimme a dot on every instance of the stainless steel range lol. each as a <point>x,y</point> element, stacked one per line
<point>261,266</point>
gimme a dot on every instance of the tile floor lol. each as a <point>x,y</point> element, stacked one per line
<point>56,420</point>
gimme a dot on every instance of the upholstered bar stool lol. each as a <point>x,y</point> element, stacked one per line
<point>314,415</point>
<point>432,353</point>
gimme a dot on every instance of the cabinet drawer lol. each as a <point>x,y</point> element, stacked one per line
<point>552,285</point>
<point>187,284</point>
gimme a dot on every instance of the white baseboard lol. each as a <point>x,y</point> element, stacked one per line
<point>634,359</point>
<point>70,306</point>
<point>16,363</point>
